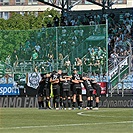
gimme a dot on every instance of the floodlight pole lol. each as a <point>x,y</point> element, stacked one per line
<point>103,9</point>
<point>62,10</point>
<point>108,3</point>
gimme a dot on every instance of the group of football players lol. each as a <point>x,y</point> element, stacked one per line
<point>66,91</point>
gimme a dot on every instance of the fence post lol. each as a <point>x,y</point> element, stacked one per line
<point>122,89</point>
<point>111,93</point>
<point>56,49</point>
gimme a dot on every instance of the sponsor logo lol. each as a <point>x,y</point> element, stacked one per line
<point>119,103</point>
<point>8,89</point>
<point>33,80</point>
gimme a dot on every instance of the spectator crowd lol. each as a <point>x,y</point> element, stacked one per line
<point>120,42</point>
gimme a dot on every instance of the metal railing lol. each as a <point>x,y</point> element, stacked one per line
<point>118,73</point>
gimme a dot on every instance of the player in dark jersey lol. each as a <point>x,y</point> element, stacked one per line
<point>47,90</point>
<point>89,92</point>
<point>66,84</point>
<point>76,88</point>
<point>40,93</point>
<point>96,92</point>
<point>54,79</point>
<point>60,83</point>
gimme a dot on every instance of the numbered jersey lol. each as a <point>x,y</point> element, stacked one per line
<point>76,77</point>
<point>55,76</point>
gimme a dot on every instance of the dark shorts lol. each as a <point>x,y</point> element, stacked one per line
<point>40,91</point>
<point>77,89</point>
<point>89,93</point>
<point>97,91</point>
<point>61,91</point>
<point>66,94</point>
<point>55,86</point>
<point>56,90</point>
<point>46,92</point>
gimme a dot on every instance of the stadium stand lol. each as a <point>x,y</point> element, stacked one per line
<point>72,40</point>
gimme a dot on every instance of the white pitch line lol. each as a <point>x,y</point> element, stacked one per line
<point>66,125</point>
<point>82,114</point>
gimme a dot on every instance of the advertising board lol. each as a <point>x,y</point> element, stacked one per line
<point>8,89</point>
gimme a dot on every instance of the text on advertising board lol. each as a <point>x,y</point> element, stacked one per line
<point>8,89</point>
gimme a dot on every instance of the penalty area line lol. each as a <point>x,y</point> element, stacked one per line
<point>65,125</point>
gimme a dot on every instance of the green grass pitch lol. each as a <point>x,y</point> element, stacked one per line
<point>32,120</point>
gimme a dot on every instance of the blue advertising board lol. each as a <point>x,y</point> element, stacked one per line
<point>8,89</point>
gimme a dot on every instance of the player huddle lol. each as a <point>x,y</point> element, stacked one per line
<point>67,91</point>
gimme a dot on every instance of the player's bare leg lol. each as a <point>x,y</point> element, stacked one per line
<point>74,101</point>
<point>97,103</point>
<point>80,102</point>
<point>89,103</point>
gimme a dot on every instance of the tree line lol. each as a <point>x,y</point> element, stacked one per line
<point>19,28</point>
<point>28,20</point>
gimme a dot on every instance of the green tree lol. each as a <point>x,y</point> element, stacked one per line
<point>18,29</point>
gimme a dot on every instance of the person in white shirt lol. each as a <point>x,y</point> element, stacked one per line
<point>37,47</point>
<point>128,26</point>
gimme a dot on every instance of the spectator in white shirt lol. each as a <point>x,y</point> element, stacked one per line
<point>128,26</point>
<point>37,47</point>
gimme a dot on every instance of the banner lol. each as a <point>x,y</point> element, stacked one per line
<point>20,78</point>
<point>32,102</point>
<point>33,80</point>
<point>103,87</point>
<point>9,89</point>
<point>115,70</point>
